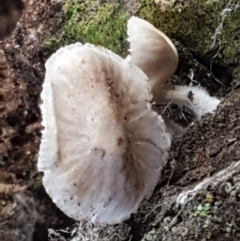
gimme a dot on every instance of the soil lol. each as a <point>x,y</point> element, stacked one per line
<point>205,148</point>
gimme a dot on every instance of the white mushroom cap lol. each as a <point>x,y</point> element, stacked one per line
<point>152,51</point>
<point>102,147</point>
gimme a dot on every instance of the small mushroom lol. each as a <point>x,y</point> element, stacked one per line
<point>153,52</point>
<point>102,147</point>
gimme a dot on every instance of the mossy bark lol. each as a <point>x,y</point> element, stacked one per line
<point>94,22</point>
<point>206,33</point>
<point>203,26</point>
<point>208,28</point>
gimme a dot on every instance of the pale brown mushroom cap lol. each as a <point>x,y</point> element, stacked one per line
<point>102,147</point>
<point>152,51</point>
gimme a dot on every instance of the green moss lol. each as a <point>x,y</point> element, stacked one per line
<point>202,210</point>
<point>194,22</point>
<point>94,22</point>
<point>150,236</point>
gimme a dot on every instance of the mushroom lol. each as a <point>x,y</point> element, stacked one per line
<point>102,147</point>
<point>153,52</point>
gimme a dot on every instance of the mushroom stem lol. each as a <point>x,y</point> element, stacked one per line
<point>195,98</point>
